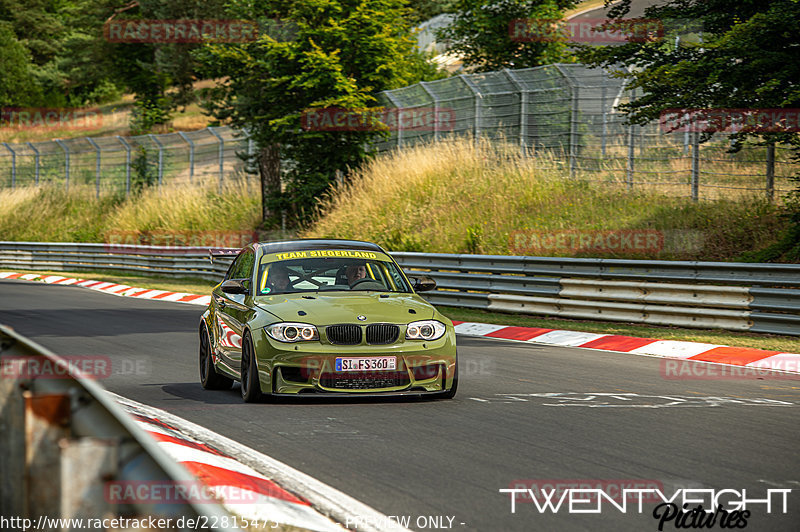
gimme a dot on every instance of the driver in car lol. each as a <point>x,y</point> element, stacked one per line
<point>278,278</point>
<point>356,272</point>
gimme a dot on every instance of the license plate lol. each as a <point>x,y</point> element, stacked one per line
<point>366,364</point>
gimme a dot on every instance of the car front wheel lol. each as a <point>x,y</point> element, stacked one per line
<point>251,388</point>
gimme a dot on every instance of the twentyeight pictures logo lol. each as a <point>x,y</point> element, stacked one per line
<point>681,508</point>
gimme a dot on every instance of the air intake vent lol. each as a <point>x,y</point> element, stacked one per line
<point>382,333</point>
<point>364,381</point>
<point>344,334</point>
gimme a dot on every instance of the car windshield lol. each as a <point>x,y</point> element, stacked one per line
<point>329,274</point>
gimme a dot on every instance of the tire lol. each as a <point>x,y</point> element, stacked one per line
<point>251,388</point>
<point>449,394</point>
<point>209,378</point>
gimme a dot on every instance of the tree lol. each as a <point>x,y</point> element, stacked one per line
<point>330,54</point>
<point>748,57</point>
<point>17,86</point>
<point>482,33</point>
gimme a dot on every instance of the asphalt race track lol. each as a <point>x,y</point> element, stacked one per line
<point>449,458</point>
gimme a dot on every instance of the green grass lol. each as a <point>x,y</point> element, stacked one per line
<point>51,214</point>
<point>463,197</point>
<point>756,341</point>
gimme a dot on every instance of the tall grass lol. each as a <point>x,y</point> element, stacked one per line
<point>466,197</point>
<point>54,215</point>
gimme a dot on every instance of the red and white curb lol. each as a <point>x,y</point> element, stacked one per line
<point>250,484</point>
<point>112,288</point>
<point>720,354</point>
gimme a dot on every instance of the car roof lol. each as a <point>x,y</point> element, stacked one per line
<point>317,243</point>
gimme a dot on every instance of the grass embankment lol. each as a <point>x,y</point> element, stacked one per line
<point>51,214</point>
<point>456,197</point>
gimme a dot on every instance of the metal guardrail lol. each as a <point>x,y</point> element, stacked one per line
<point>64,442</point>
<point>736,296</point>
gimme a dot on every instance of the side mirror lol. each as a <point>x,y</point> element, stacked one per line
<point>235,286</point>
<point>423,283</point>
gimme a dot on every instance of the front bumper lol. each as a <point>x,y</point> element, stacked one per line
<point>422,368</point>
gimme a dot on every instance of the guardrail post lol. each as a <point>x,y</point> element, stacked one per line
<point>36,162</point>
<point>771,171</point>
<point>66,160</point>
<point>191,154</point>
<point>97,167</point>
<point>46,423</point>
<point>127,165</point>
<point>696,166</point>
<point>12,438</point>
<point>221,156</point>
<point>160,157</point>
<point>13,164</point>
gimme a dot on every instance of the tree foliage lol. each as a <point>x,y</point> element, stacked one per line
<point>481,33</point>
<point>748,57</point>
<point>330,54</point>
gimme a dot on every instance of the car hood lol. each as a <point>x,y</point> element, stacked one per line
<point>326,309</point>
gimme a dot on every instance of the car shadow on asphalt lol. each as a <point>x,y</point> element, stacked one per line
<point>192,391</point>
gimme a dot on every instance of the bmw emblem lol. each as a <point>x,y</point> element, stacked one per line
<point>361,317</point>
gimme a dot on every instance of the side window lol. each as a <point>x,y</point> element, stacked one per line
<point>243,269</point>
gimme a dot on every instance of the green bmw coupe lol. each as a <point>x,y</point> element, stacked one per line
<point>324,318</point>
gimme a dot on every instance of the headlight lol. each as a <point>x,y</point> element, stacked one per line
<point>292,332</point>
<point>425,330</point>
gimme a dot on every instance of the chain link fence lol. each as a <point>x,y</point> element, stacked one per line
<point>568,115</point>
<point>117,163</point>
<point>565,114</point>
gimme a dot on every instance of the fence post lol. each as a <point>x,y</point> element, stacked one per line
<point>435,108</point>
<point>605,118</point>
<point>630,166</point>
<point>523,106</point>
<point>696,166</point>
<point>573,132</point>
<point>191,154</point>
<point>221,155</point>
<point>478,124</point>
<point>97,167</point>
<point>771,171</point>
<point>160,157</point>
<point>399,137</point>
<point>36,159</point>
<point>66,160</point>
<point>13,165</point>
<point>127,165</point>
